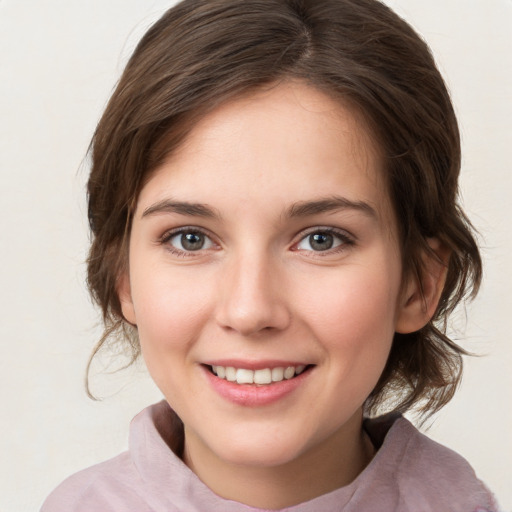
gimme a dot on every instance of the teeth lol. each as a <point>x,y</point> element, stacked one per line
<point>277,374</point>
<point>230,373</point>
<point>289,372</point>
<point>261,377</point>
<point>244,376</point>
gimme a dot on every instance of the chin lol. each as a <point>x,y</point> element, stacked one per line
<point>264,450</point>
<point>260,457</point>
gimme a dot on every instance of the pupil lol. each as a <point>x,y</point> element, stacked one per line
<point>321,241</point>
<point>192,241</point>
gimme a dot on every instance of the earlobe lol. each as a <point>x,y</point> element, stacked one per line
<point>125,298</point>
<point>422,293</point>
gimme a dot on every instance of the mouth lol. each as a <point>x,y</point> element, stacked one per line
<point>260,377</point>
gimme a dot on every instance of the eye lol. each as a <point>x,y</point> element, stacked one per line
<point>323,240</point>
<point>188,241</point>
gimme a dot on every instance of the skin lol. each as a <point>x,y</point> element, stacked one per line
<point>258,290</point>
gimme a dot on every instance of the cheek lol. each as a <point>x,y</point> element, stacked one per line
<point>170,314</point>
<point>353,314</point>
<point>170,309</point>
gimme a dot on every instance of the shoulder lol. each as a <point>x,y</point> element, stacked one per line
<point>434,477</point>
<point>109,486</point>
<point>148,473</point>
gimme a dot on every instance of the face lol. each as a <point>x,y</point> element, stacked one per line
<point>264,277</point>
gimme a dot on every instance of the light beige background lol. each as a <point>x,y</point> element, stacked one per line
<point>59,60</point>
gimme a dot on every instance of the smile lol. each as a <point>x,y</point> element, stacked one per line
<point>262,384</point>
<point>261,377</point>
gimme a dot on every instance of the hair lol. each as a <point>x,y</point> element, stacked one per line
<point>202,53</point>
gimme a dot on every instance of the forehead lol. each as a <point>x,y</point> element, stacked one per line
<point>288,142</point>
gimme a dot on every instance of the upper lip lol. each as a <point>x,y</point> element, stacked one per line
<point>255,365</point>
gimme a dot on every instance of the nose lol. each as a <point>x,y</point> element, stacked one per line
<point>252,297</point>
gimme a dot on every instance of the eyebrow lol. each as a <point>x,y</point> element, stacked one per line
<point>182,208</point>
<point>330,204</point>
<point>299,209</point>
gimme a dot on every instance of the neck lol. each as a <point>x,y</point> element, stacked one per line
<point>336,462</point>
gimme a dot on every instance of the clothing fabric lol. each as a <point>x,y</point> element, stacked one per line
<point>409,473</point>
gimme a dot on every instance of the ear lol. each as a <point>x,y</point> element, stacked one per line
<point>421,294</point>
<point>124,293</point>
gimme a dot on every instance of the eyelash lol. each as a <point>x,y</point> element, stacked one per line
<point>169,235</point>
<point>343,237</point>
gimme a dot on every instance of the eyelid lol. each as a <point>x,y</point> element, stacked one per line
<point>171,233</point>
<point>347,239</point>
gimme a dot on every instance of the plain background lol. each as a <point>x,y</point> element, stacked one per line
<point>59,60</point>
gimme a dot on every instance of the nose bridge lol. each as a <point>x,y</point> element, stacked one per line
<point>252,297</point>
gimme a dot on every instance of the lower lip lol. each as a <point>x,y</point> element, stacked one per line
<point>254,395</point>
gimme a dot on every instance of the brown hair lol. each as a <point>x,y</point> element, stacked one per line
<point>203,52</point>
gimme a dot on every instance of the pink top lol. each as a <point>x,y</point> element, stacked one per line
<point>409,473</point>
